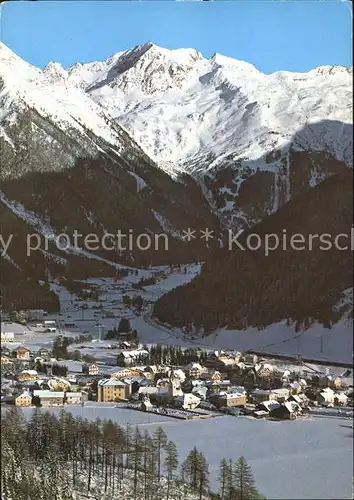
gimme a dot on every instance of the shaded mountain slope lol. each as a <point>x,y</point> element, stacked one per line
<point>239,289</point>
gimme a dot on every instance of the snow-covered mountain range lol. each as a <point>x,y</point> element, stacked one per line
<point>67,166</point>
<point>181,107</point>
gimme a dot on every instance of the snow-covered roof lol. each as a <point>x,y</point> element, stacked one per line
<point>238,388</point>
<point>282,391</point>
<point>148,390</point>
<point>188,398</point>
<point>267,366</point>
<point>194,366</point>
<point>326,394</point>
<point>163,391</point>
<point>134,353</point>
<point>111,382</point>
<point>341,396</point>
<point>231,395</point>
<point>178,374</point>
<point>291,406</point>
<point>48,394</point>
<point>271,405</point>
<point>25,394</point>
<point>260,413</point>
<point>297,398</point>
<point>295,385</point>
<point>200,390</point>
<point>261,392</point>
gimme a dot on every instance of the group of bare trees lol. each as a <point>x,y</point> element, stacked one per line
<point>53,455</point>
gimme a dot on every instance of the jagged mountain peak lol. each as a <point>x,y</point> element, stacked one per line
<point>55,72</point>
<point>44,106</point>
<point>150,49</point>
<point>341,71</point>
<point>183,108</point>
<point>150,68</point>
<point>233,64</point>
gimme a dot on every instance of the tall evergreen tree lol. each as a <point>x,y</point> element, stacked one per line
<point>170,463</point>
<point>224,479</point>
<point>195,471</point>
<point>243,481</point>
<point>160,441</point>
<point>124,326</point>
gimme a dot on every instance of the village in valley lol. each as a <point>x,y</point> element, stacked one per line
<point>179,382</point>
<point>103,359</point>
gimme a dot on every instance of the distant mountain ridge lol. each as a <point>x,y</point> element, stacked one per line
<point>181,106</point>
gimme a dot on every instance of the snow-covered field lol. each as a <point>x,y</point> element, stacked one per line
<point>308,458</point>
<point>334,344</point>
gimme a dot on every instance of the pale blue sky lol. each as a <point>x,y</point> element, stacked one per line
<point>272,35</point>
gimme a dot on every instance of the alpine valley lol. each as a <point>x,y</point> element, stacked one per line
<point>156,140</point>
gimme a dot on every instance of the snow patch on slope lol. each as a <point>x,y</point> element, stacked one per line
<point>166,226</point>
<point>140,183</point>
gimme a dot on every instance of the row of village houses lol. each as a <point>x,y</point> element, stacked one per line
<point>175,387</point>
<point>219,360</point>
<point>191,386</point>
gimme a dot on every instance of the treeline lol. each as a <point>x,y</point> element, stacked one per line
<point>53,369</point>
<point>18,291</point>
<point>60,349</point>
<point>123,327</point>
<point>174,355</point>
<point>62,457</point>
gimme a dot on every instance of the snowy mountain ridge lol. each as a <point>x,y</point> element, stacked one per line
<point>185,110</point>
<point>25,88</point>
<point>182,107</point>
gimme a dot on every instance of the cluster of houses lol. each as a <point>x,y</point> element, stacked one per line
<point>228,382</point>
<point>47,398</point>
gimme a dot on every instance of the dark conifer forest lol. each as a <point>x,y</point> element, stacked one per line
<point>61,457</point>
